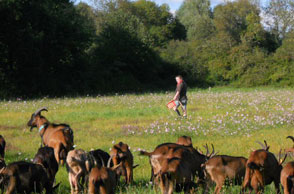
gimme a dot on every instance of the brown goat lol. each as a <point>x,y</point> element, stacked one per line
<point>2,147</point>
<point>79,165</point>
<point>262,168</point>
<point>45,157</point>
<point>174,172</point>
<point>103,180</point>
<point>57,136</point>
<point>287,178</point>
<point>163,150</point>
<point>222,167</point>
<point>24,177</point>
<point>120,153</point>
<point>185,141</point>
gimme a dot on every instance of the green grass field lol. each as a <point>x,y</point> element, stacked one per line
<point>231,119</point>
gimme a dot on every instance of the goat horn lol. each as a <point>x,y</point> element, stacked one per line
<point>116,166</point>
<point>280,155</point>
<point>207,151</point>
<point>284,159</point>
<point>212,148</point>
<point>40,110</point>
<point>2,169</point>
<point>291,137</point>
<point>261,144</point>
<point>109,161</point>
<point>280,160</point>
<point>212,153</point>
<point>102,161</point>
<point>266,146</point>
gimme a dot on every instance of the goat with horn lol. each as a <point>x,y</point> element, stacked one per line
<point>103,179</point>
<point>57,136</point>
<point>262,168</point>
<point>79,164</point>
<point>120,153</point>
<point>168,154</point>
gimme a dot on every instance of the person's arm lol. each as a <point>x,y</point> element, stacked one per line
<point>177,95</point>
<point>179,88</point>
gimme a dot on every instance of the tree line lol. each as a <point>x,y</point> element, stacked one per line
<point>57,47</point>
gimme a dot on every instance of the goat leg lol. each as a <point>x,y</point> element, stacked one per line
<point>129,174</point>
<point>77,178</point>
<point>72,184</point>
<point>11,187</point>
<point>56,152</point>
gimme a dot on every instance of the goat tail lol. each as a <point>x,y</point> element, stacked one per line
<point>98,184</point>
<point>290,184</point>
<point>144,153</point>
<point>68,133</point>
<point>62,153</point>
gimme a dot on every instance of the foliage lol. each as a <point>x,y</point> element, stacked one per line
<point>279,17</point>
<point>283,62</point>
<point>60,48</point>
<point>42,44</point>
<point>196,16</point>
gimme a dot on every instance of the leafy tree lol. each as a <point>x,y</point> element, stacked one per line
<point>232,18</point>
<point>282,67</point>
<point>279,17</point>
<point>196,16</point>
<point>121,60</point>
<point>42,47</point>
<point>162,26</point>
<point>189,60</point>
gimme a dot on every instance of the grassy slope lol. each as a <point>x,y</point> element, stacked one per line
<point>231,119</point>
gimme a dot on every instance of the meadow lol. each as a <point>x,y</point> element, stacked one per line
<point>231,119</point>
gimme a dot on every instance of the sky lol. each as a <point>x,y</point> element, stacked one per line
<point>175,4</point>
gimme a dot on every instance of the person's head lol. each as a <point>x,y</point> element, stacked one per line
<point>179,78</point>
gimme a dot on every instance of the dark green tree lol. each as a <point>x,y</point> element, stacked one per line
<point>42,47</point>
<point>196,16</point>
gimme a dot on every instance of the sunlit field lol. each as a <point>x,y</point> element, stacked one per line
<point>231,119</point>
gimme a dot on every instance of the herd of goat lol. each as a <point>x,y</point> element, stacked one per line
<point>174,166</point>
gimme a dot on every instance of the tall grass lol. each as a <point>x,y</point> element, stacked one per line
<point>231,119</point>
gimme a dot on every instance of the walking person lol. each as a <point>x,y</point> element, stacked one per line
<point>180,97</point>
